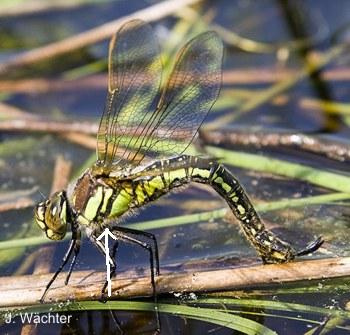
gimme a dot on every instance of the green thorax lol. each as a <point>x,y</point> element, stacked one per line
<point>99,198</point>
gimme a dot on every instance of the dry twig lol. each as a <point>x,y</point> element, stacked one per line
<point>252,138</point>
<point>18,204</point>
<point>54,127</point>
<point>151,13</point>
<point>15,200</point>
<point>85,285</point>
<point>37,6</point>
<point>261,75</point>
<point>10,112</point>
<point>44,85</point>
<point>265,75</point>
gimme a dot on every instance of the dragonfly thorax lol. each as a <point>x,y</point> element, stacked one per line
<point>51,216</point>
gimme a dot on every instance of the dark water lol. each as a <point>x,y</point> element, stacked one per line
<point>277,24</point>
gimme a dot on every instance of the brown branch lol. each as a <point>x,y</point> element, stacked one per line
<point>61,174</point>
<point>35,7</point>
<point>85,285</point>
<point>70,130</point>
<point>16,200</point>
<point>10,112</point>
<point>83,140</point>
<point>53,127</point>
<point>44,85</point>
<point>99,81</point>
<point>77,132</point>
<point>260,139</point>
<point>254,76</point>
<point>18,204</point>
<point>275,74</point>
<point>60,127</point>
<point>151,13</point>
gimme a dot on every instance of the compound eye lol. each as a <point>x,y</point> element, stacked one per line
<point>56,218</point>
<point>51,216</point>
<point>39,213</point>
<point>54,210</point>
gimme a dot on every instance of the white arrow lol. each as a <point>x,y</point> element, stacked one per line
<point>105,234</point>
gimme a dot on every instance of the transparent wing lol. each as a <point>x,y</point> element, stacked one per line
<point>191,90</point>
<point>134,79</point>
<point>130,128</point>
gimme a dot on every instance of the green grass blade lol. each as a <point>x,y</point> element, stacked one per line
<point>274,305</point>
<point>255,162</point>
<point>223,319</point>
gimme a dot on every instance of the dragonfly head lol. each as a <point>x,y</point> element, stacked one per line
<point>51,216</point>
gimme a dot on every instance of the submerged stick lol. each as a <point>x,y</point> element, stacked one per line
<point>44,85</point>
<point>243,76</point>
<point>268,139</point>
<point>151,13</point>
<point>36,7</point>
<point>49,126</point>
<point>85,285</point>
<point>274,90</point>
<point>77,132</point>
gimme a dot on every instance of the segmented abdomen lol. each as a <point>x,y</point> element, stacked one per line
<point>184,169</point>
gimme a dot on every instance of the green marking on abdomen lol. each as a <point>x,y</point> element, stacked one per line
<point>204,173</point>
<point>241,209</point>
<point>155,183</point>
<point>226,187</point>
<point>140,195</point>
<point>176,174</point>
<point>235,198</point>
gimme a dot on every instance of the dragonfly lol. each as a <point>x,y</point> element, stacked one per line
<point>144,131</point>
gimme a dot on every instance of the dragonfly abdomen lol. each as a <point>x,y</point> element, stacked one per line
<point>178,171</point>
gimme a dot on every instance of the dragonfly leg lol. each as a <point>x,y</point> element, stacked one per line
<point>101,247</point>
<point>76,250</point>
<point>149,236</point>
<point>122,233</point>
<point>64,262</point>
<point>113,267</point>
<point>74,246</point>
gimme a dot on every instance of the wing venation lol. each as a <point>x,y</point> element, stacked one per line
<point>133,127</point>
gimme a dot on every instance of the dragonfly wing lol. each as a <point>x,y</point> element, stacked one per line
<point>189,94</point>
<point>134,79</point>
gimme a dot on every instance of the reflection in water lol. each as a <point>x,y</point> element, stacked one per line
<point>297,16</point>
